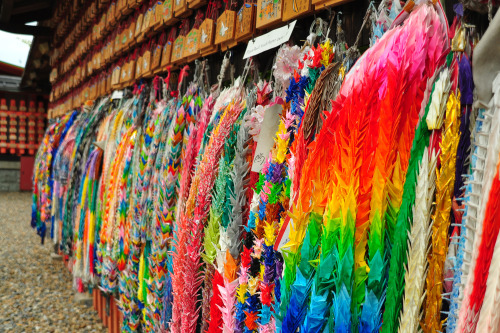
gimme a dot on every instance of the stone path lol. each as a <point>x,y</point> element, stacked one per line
<point>36,293</point>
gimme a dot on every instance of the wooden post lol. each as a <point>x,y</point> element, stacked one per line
<point>99,305</point>
<point>94,298</point>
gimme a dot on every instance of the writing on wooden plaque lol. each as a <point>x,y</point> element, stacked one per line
<point>168,13</point>
<point>115,80</point>
<point>134,3</point>
<point>146,23</point>
<point>245,22</point>
<point>269,12</point>
<point>320,4</point>
<point>138,26</point>
<point>225,27</point>
<point>146,63</point>
<point>123,74</point>
<point>156,57</point>
<point>196,3</point>
<point>207,32</point>
<point>166,54</point>
<point>138,68</point>
<point>131,33</point>
<point>295,8</point>
<point>158,15</point>
<point>177,50</point>
<point>191,43</point>
<point>181,9</point>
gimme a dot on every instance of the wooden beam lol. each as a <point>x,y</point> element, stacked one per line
<point>40,15</point>
<point>26,29</point>
<point>6,10</point>
<point>31,6</point>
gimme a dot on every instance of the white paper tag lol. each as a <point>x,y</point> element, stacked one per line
<point>270,126</point>
<point>270,40</point>
<point>117,94</point>
<point>283,236</point>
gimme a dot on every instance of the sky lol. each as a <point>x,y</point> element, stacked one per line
<point>13,50</point>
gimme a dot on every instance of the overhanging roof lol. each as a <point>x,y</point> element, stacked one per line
<point>9,69</point>
<point>37,70</point>
<point>14,14</point>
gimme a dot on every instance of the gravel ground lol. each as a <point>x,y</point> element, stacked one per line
<point>36,293</point>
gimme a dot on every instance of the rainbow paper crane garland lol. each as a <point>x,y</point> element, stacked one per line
<point>43,183</point>
<point>164,212</point>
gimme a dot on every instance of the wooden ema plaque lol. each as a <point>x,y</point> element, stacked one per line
<point>146,24</point>
<point>166,54</point>
<point>168,13</point>
<point>138,67</point>
<point>245,22</point>
<point>131,35</point>
<point>191,44</point>
<point>126,72</point>
<point>181,9</point>
<point>120,4</point>
<point>93,91</point>
<point>126,9</point>
<point>131,72</point>
<point>123,74</point>
<point>295,8</point>
<point>115,79</point>
<point>177,50</point>
<point>146,64</point>
<point>228,45</point>
<point>111,14</point>
<point>118,44</point>
<point>108,82</point>
<point>133,4</point>
<point>123,40</point>
<point>269,12</point>
<point>225,27</point>
<point>206,41</point>
<point>155,64</point>
<point>196,3</point>
<point>138,27</point>
<point>320,4</point>
<point>159,68</point>
<point>158,16</point>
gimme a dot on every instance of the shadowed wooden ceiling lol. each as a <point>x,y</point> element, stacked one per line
<point>14,14</point>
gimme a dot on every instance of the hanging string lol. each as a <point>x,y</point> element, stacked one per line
<point>167,79</point>
<point>317,29</point>
<point>163,39</point>
<point>197,71</point>
<point>246,70</point>
<point>156,86</point>
<point>213,9</point>
<point>490,10</point>
<point>182,75</point>
<point>354,49</point>
<point>222,74</point>
<point>184,27</point>
<point>230,4</point>
<point>206,80</point>
<point>331,14</point>
<point>172,34</point>
<point>198,20</point>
